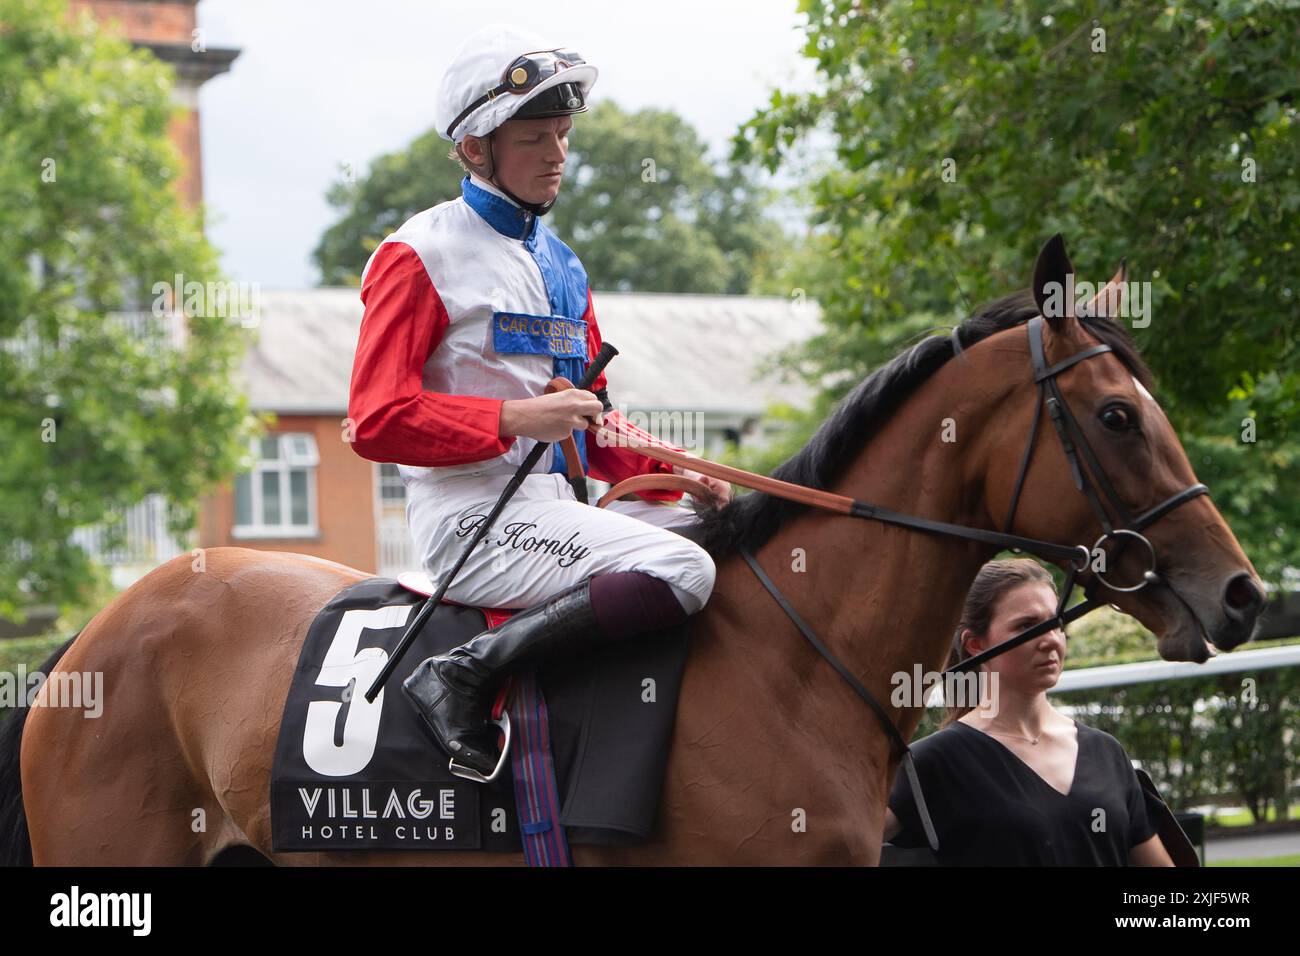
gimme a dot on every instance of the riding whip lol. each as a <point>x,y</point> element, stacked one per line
<point>597,366</point>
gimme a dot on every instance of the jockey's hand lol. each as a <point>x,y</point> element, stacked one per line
<point>721,489</point>
<point>551,417</point>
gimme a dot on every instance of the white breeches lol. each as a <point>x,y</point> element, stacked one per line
<point>545,541</point>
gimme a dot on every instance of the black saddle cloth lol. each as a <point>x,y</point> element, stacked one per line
<point>612,716</point>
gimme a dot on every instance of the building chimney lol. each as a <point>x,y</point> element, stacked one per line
<point>167,28</point>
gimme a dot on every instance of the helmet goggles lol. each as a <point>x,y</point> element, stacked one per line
<point>523,75</point>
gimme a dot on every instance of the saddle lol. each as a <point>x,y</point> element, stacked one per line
<point>609,736</point>
<point>350,775</point>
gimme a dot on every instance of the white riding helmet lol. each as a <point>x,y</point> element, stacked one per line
<point>502,69</point>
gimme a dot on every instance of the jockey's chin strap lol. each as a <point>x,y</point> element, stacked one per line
<point>536,209</point>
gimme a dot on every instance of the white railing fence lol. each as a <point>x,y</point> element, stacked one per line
<point>145,542</point>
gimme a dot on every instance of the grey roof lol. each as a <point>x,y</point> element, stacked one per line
<point>699,353</point>
<point>300,361</point>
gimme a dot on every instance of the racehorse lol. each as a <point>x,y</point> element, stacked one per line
<point>774,759</point>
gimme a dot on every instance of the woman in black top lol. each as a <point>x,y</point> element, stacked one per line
<point>1011,782</point>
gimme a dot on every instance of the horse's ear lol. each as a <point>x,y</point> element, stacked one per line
<point>1050,291</point>
<point>1106,303</point>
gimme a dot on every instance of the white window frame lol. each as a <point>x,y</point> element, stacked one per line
<point>380,500</point>
<point>296,451</point>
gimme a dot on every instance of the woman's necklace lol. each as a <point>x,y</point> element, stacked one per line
<point>1033,740</point>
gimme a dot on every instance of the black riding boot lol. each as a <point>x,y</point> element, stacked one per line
<point>453,691</point>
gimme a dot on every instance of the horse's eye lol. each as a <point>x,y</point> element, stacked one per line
<point>1117,418</point>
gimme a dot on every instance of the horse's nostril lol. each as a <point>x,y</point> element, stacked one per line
<point>1243,597</point>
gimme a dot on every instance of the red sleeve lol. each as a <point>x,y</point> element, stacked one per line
<point>612,463</point>
<point>394,419</point>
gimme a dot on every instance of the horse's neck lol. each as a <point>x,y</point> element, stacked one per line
<point>884,597</point>
<point>766,727</point>
<point>881,597</point>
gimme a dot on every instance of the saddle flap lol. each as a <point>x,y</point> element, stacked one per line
<point>611,720</point>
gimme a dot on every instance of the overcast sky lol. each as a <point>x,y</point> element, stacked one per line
<point>323,82</point>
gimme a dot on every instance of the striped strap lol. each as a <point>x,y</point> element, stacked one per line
<point>537,798</point>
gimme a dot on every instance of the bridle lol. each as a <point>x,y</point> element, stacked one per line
<point>1073,441</point>
<point>1124,529</point>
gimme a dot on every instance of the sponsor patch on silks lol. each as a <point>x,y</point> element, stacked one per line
<point>553,335</point>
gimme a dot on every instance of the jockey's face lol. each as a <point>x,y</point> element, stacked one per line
<point>529,156</point>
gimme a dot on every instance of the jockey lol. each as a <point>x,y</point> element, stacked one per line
<point>471,308</point>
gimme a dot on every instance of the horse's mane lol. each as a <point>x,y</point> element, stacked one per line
<point>751,519</point>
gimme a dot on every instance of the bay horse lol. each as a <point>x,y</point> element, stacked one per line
<point>775,759</point>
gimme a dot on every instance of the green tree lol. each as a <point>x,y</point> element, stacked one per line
<point>396,187</point>
<point>966,134</point>
<point>94,416</point>
<point>648,213</point>
<point>641,206</point>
